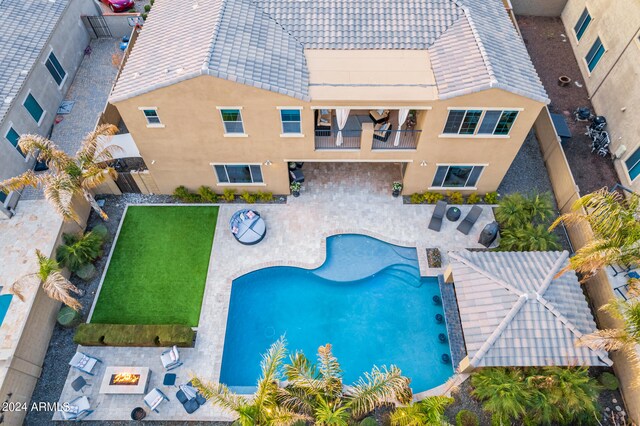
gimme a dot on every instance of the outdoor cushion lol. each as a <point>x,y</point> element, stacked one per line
<point>191,406</point>
<point>201,399</point>
<point>181,397</point>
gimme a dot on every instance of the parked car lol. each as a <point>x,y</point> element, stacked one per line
<point>119,5</point>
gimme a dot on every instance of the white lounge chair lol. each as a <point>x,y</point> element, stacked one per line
<point>171,358</point>
<point>84,362</point>
<point>154,398</point>
<point>77,409</point>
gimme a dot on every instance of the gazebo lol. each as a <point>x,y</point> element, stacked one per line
<point>514,312</point>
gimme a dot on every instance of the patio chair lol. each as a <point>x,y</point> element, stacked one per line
<point>324,118</point>
<point>438,214</point>
<point>470,219</point>
<point>382,131</point>
<point>84,362</point>
<point>154,398</point>
<point>171,358</point>
<point>190,398</point>
<point>77,409</point>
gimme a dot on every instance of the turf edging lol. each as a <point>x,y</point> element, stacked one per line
<point>133,335</point>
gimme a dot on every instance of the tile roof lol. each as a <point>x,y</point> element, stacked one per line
<point>25,28</point>
<point>261,43</point>
<point>515,313</point>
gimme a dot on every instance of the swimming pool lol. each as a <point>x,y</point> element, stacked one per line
<point>368,300</point>
<point>5,301</point>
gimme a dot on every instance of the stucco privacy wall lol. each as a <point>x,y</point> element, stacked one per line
<point>180,153</point>
<point>68,42</point>
<point>27,328</point>
<point>598,287</point>
<point>613,84</point>
<point>538,7</point>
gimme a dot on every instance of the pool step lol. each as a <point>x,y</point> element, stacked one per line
<point>405,273</point>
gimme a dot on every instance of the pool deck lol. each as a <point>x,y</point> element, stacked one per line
<point>336,199</point>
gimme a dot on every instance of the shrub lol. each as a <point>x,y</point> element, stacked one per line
<point>417,198</point>
<point>609,381</point>
<point>467,418</point>
<point>264,196</point>
<point>184,195</point>
<point>86,272</point>
<point>473,198</point>
<point>248,197</point>
<point>101,231</point>
<point>144,16</point>
<point>528,238</point>
<point>368,421</point>
<point>432,197</point>
<point>147,8</point>
<point>69,317</point>
<point>133,335</point>
<point>151,2</point>
<point>455,197</point>
<point>491,198</point>
<point>229,195</point>
<point>207,194</point>
<point>78,250</point>
<point>516,210</point>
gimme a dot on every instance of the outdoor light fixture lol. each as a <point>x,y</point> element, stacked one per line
<point>267,163</point>
<point>423,163</point>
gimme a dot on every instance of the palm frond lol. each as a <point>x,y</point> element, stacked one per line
<point>220,394</point>
<point>331,413</point>
<point>28,178</point>
<point>93,176</point>
<point>375,388</point>
<point>270,369</point>
<point>282,417</point>
<point>330,371</point>
<point>45,150</point>
<point>299,400</point>
<point>300,373</point>
<point>92,144</point>
<point>57,287</point>
<point>59,191</point>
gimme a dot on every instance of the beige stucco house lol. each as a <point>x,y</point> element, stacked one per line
<point>605,37</point>
<point>227,93</point>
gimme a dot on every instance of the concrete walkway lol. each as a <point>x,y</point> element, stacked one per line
<point>336,198</point>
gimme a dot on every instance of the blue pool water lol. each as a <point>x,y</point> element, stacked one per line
<point>368,300</point>
<point>5,301</point>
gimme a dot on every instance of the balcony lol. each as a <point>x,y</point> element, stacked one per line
<point>387,134</point>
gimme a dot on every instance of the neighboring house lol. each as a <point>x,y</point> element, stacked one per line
<point>443,88</point>
<point>41,46</point>
<point>605,36</point>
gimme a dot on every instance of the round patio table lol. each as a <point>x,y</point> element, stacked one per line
<point>453,214</point>
<point>247,227</point>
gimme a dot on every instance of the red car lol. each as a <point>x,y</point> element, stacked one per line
<point>119,5</point>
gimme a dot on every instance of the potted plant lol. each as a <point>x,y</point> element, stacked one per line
<point>397,188</point>
<point>295,188</point>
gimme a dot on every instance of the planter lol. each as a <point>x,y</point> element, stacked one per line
<point>138,413</point>
<point>563,81</point>
<point>295,193</point>
<point>68,318</point>
<point>396,193</point>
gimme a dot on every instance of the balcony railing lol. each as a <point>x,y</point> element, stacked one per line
<point>326,139</point>
<point>408,139</point>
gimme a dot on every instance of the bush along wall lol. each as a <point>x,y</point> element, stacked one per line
<point>134,335</point>
<point>451,197</point>
<point>205,194</point>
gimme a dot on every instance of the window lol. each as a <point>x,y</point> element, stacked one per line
<point>479,122</point>
<point>54,67</point>
<point>232,119</point>
<point>290,121</point>
<point>582,24</point>
<point>3,197</point>
<point>34,108</point>
<point>633,164</point>
<point>238,173</point>
<point>151,114</point>
<point>594,54</point>
<point>13,137</point>
<point>457,176</point>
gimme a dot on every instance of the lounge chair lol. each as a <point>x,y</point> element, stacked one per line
<point>470,220</point>
<point>84,362</point>
<point>77,409</point>
<point>190,398</point>
<point>382,131</point>
<point>438,214</point>
<point>154,398</point>
<point>171,358</point>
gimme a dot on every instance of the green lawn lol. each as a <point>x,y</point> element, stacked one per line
<point>159,267</point>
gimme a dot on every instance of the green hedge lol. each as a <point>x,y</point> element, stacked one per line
<point>133,335</point>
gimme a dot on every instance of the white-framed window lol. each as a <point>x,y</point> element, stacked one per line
<point>480,122</point>
<point>152,117</point>
<point>33,107</point>
<point>594,54</point>
<point>291,119</point>
<point>55,69</point>
<point>633,164</point>
<point>238,173</point>
<point>232,120</point>
<point>13,137</point>
<point>457,176</point>
<point>582,24</point>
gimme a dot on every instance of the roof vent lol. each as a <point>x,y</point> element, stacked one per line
<point>8,99</point>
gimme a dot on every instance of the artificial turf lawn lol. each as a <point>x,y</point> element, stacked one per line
<point>158,269</point>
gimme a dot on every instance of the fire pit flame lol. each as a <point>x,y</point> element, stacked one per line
<point>125,379</point>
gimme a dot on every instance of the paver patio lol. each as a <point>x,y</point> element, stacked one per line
<point>336,198</point>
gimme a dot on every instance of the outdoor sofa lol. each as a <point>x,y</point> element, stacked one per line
<point>190,398</point>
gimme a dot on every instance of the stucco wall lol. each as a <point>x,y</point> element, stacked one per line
<point>192,139</point>
<point>68,42</point>
<point>613,84</point>
<point>538,7</point>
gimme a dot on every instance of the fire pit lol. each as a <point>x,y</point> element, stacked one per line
<point>125,380</point>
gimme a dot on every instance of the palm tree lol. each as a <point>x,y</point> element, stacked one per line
<point>67,176</point>
<point>503,391</point>
<point>262,409</point>
<point>429,411</point>
<point>616,229</point>
<point>319,392</point>
<point>528,238</point>
<point>54,284</point>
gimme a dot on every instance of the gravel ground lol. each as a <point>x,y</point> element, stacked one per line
<point>553,57</point>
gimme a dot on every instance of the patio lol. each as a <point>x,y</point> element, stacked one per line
<point>336,198</point>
